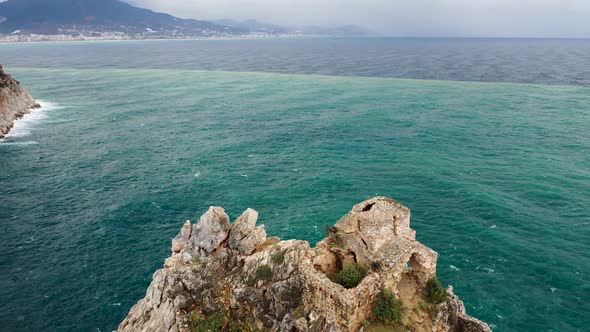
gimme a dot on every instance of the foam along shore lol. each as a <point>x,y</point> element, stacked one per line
<point>15,102</point>
<point>231,277</point>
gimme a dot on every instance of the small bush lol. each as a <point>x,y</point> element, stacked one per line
<point>199,323</point>
<point>194,320</point>
<point>435,293</point>
<point>351,275</point>
<point>263,272</point>
<point>2,85</point>
<point>430,308</point>
<point>278,257</point>
<point>387,309</point>
<point>216,321</point>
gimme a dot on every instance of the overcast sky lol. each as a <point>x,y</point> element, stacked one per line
<point>509,18</point>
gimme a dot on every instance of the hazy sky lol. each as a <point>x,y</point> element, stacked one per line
<point>510,18</point>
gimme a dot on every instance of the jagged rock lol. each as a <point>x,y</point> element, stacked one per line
<point>15,102</point>
<point>285,286</point>
<point>244,235</point>
<point>181,240</point>
<point>209,233</point>
<point>377,221</point>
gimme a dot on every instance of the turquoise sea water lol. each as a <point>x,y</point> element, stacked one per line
<point>497,176</point>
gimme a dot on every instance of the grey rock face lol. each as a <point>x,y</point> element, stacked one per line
<point>210,232</point>
<point>15,102</point>
<point>181,240</point>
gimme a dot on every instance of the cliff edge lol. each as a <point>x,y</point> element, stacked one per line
<point>15,102</point>
<point>368,274</point>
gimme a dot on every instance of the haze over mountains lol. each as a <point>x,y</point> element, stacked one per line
<point>95,17</point>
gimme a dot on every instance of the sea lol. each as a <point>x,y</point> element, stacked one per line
<point>487,141</point>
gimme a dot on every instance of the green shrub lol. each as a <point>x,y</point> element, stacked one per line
<point>263,272</point>
<point>351,275</point>
<point>199,323</point>
<point>215,322</point>
<point>435,293</point>
<point>194,320</point>
<point>278,257</point>
<point>2,85</point>
<point>387,308</point>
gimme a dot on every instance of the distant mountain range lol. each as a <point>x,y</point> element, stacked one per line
<point>55,16</point>
<point>99,17</point>
<point>332,30</point>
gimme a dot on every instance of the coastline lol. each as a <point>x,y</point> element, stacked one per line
<point>34,39</point>
<point>15,102</point>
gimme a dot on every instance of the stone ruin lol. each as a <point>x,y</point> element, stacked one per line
<point>214,264</point>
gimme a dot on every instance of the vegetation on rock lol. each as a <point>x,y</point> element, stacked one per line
<point>240,273</point>
<point>200,323</point>
<point>351,275</point>
<point>336,241</point>
<point>278,257</point>
<point>387,308</point>
<point>263,272</point>
<point>435,293</point>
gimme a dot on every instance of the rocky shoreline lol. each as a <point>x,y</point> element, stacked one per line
<point>226,276</point>
<point>15,102</point>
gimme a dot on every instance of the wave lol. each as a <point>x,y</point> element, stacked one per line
<point>22,127</point>
<point>3,142</point>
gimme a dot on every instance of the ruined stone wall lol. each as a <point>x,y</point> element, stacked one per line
<point>214,270</point>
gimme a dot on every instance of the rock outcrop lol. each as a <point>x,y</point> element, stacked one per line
<point>15,102</point>
<point>226,276</point>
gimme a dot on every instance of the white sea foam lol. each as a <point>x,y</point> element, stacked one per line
<point>3,142</point>
<point>22,127</point>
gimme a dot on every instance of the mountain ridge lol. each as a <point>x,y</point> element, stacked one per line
<point>119,19</point>
<point>58,16</point>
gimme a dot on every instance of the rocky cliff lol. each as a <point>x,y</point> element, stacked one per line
<point>226,276</point>
<point>15,102</point>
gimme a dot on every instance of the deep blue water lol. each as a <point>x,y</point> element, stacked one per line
<point>542,61</point>
<point>136,137</point>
